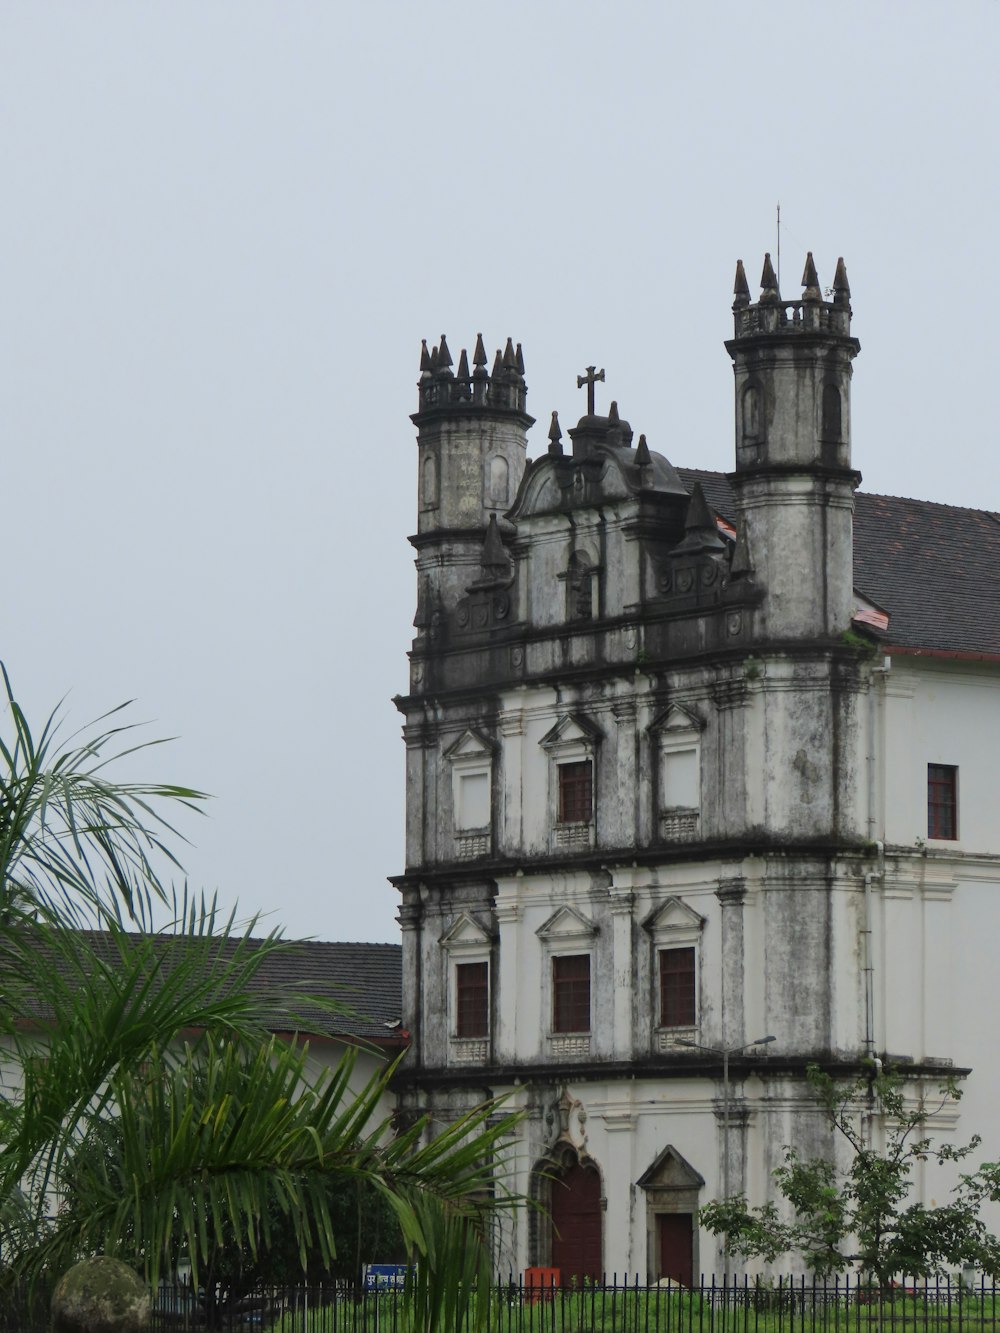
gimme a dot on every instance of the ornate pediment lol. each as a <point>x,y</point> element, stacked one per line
<point>566,925</point>
<point>673,915</point>
<point>671,1171</point>
<point>466,932</point>
<point>571,729</point>
<point>677,718</point>
<point>471,745</point>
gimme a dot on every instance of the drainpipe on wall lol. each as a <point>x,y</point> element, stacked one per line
<point>879,874</point>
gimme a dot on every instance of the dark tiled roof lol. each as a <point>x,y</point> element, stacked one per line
<point>935,568</point>
<point>366,979</point>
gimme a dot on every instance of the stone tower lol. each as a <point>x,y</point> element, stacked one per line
<point>471,450</point>
<point>635,796</point>
<point>794,483</point>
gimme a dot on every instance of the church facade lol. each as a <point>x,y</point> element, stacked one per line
<point>692,760</point>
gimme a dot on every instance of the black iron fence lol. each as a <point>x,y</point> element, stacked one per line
<point>744,1305</point>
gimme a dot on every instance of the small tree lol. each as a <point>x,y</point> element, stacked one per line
<point>146,1108</point>
<point>862,1215</point>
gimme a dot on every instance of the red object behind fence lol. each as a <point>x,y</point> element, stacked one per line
<point>540,1283</point>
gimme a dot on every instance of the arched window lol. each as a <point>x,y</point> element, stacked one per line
<point>751,413</point>
<point>428,482</point>
<point>498,487</point>
<point>831,413</point>
<point>580,587</point>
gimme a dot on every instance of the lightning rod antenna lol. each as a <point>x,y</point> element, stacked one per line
<point>779,245</point>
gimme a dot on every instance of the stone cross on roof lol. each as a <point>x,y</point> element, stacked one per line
<point>590,379</point>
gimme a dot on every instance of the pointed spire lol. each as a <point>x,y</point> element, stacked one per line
<point>519,360</point>
<point>555,435</point>
<point>642,454</point>
<point>810,281</point>
<point>701,533</point>
<point>479,357</point>
<point>463,365</point>
<point>425,357</point>
<point>422,618</point>
<point>613,416</point>
<point>497,363</point>
<point>768,282</point>
<point>434,358</point>
<point>741,562</point>
<point>509,359</point>
<point>444,356</point>
<point>741,288</point>
<point>494,562</point>
<point>841,287</point>
<point>699,516</point>
<point>494,551</point>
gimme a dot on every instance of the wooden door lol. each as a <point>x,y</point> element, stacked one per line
<point>675,1238</point>
<point>576,1225</point>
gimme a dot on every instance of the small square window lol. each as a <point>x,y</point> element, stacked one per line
<point>576,792</point>
<point>472,1000</point>
<point>677,988</point>
<point>571,993</point>
<point>942,801</point>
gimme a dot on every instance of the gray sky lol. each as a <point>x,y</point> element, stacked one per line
<point>225,229</point>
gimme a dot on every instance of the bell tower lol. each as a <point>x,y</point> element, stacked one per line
<point>794,481</point>
<point>471,441</point>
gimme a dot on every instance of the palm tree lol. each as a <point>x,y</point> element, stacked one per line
<point>123,1133</point>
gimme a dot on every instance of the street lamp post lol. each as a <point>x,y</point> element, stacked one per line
<point>725,1052</point>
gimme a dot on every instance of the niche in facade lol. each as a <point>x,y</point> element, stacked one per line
<point>471,760</point>
<point>676,737</point>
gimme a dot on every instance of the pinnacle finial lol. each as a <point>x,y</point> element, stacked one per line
<point>509,359</point>
<point>479,357</point>
<point>494,556</point>
<point>699,517</point>
<point>497,363</point>
<point>768,282</point>
<point>444,356</point>
<point>642,454</point>
<point>434,359</point>
<point>810,280</point>
<point>425,356</point>
<point>519,360</point>
<point>841,287</point>
<point>741,288</point>
<point>555,435</point>
<point>613,416</point>
<point>463,365</point>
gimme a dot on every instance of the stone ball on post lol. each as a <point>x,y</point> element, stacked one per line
<point>100,1295</point>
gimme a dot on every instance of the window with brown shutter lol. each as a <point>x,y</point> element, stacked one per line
<point>472,1000</point>
<point>576,792</point>
<point>571,993</point>
<point>677,988</point>
<point>942,801</point>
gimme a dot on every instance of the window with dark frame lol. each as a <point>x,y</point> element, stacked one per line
<point>472,1000</point>
<point>571,993</point>
<point>677,988</point>
<point>942,801</point>
<point>576,792</point>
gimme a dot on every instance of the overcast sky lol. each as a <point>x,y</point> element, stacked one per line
<point>225,229</point>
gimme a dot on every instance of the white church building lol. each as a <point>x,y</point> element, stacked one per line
<point>692,759</point>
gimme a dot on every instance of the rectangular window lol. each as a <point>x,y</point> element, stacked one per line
<point>472,1000</point>
<point>473,801</point>
<point>571,993</point>
<point>942,801</point>
<point>576,792</point>
<point>680,780</point>
<point>677,1006</point>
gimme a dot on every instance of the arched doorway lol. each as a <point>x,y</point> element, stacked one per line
<point>576,1219</point>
